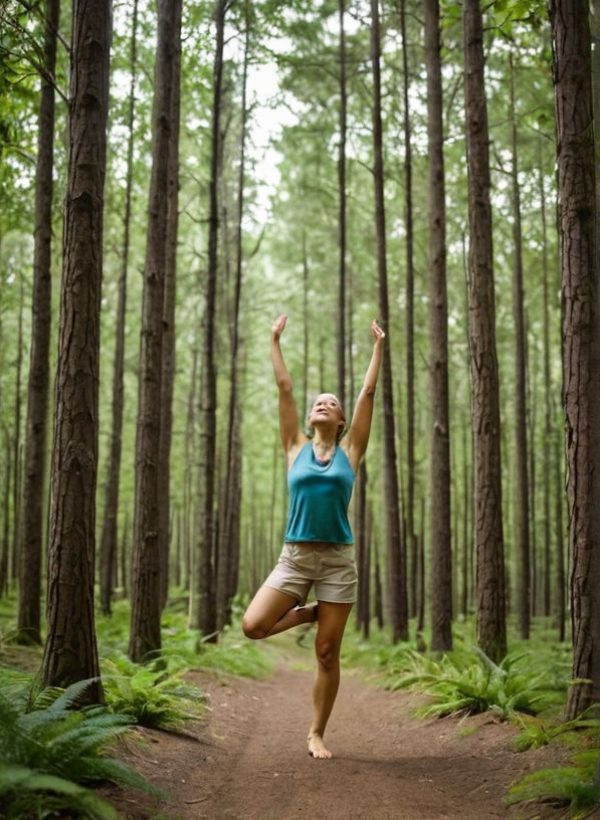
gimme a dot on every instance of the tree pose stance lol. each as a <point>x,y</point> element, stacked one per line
<point>318,539</point>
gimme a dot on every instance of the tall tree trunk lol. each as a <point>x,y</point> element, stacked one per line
<point>491,615</point>
<point>397,557</point>
<point>108,543</point>
<point>30,549</point>
<point>70,653</point>
<point>521,484</point>
<point>17,457</point>
<point>439,455</point>
<point>378,596</point>
<point>188,483</point>
<point>6,518</point>
<point>207,615</point>
<point>229,550</point>
<point>168,328</point>
<point>145,595</point>
<point>341,334</point>
<point>409,511</point>
<point>362,557</point>
<point>581,349</point>
<point>305,329</point>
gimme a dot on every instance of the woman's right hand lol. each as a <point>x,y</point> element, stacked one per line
<point>278,326</point>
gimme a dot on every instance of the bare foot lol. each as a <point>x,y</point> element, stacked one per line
<point>316,747</point>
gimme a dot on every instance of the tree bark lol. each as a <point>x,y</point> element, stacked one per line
<point>397,557</point>
<point>491,617</point>
<point>409,509</point>
<point>521,484</point>
<point>70,653</point>
<point>17,456</point>
<point>439,456</point>
<point>341,330</point>
<point>168,327</point>
<point>145,596</point>
<point>363,615</point>
<point>6,518</point>
<point>581,337</point>
<point>30,548</point>
<point>229,550</point>
<point>207,615</point>
<point>108,542</point>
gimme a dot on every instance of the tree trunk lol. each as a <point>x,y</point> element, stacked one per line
<point>30,548</point>
<point>168,329</point>
<point>409,512</point>
<point>70,653</point>
<point>439,457</point>
<point>581,348</point>
<point>229,550</point>
<point>305,285</point>
<point>108,543</point>
<point>521,539</point>
<point>188,482</point>
<point>341,334</point>
<point>363,615</point>
<point>491,616</point>
<point>145,596</point>
<point>17,457</point>
<point>6,517</point>
<point>207,614</point>
<point>378,590</point>
<point>397,558</point>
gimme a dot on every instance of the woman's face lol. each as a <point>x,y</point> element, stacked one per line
<point>326,408</point>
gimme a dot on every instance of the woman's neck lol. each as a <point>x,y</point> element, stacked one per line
<point>323,443</point>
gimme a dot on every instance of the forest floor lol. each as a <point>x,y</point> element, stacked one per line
<point>250,759</point>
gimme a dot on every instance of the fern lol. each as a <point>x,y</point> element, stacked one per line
<point>470,682</point>
<point>573,786</point>
<point>27,793</point>
<point>536,733</point>
<point>151,696</point>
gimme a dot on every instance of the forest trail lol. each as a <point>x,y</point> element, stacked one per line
<point>252,761</point>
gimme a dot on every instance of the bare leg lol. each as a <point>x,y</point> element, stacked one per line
<point>272,611</point>
<point>332,622</point>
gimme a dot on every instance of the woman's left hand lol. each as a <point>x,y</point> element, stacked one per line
<point>377,333</point>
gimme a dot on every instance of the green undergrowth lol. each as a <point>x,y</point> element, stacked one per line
<point>50,751</point>
<point>531,679</point>
<point>575,787</point>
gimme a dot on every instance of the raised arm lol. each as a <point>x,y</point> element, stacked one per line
<point>360,428</point>
<point>289,426</point>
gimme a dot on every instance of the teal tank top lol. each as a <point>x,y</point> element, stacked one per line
<point>319,495</point>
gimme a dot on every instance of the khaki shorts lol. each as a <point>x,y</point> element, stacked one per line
<point>330,567</point>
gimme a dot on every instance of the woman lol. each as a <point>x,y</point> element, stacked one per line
<point>318,539</point>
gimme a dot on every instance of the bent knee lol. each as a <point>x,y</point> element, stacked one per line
<point>253,630</point>
<point>328,654</point>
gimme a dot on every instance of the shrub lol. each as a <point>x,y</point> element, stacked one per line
<point>152,697</point>
<point>470,682</point>
<point>47,751</point>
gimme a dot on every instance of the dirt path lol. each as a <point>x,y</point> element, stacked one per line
<point>252,762</point>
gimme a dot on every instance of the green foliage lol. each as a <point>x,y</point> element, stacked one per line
<point>183,648</point>
<point>150,695</point>
<point>48,750</point>
<point>575,785</point>
<point>469,682</point>
<point>25,793</point>
<point>536,732</point>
